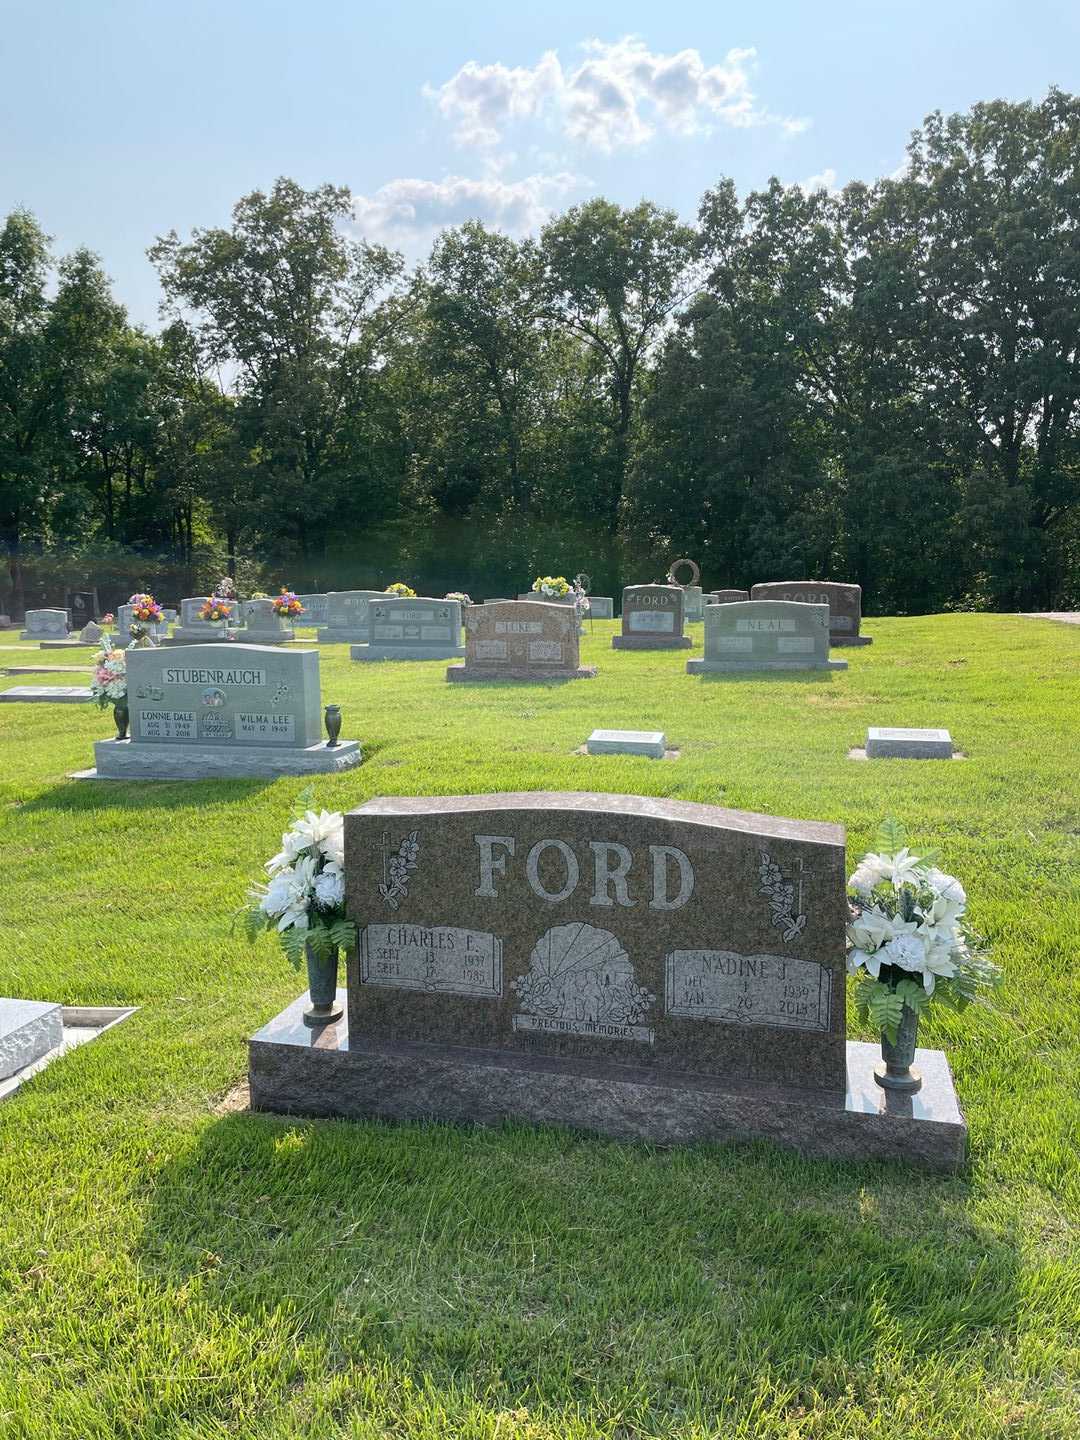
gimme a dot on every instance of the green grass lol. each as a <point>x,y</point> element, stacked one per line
<point>171,1268</point>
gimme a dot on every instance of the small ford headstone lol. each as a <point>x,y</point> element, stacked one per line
<point>520,640</point>
<point>652,619</point>
<point>412,628</point>
<point>765,635</point>
<point>223,710</point>
<point>844,602</point>
<point>646,968</point>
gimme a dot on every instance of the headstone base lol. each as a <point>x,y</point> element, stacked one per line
<point>29,1029</point>
<point>180,636</point>
<point>347,635</point>
<point>460,674</point>
<point>125,760</point>
<point>406,652</point>
<point>750,667</point>
<point>851,639</point>
<point>651,642</point>
<point>268,637</point>
<point>296,1070</point>
<point>32,635</point>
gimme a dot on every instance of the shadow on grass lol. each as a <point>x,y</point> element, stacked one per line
<point>143,794</point>
<point>789,677</point>
<point>545,1267</point>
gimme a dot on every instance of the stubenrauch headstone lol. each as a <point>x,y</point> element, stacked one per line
<point>646,968</point>
<point>222,710</point>
<point>411,628</point>
<point>766,635</point>
<point>652,619</point>
<point>520,640</point>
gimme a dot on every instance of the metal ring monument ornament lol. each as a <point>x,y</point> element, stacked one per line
<point>583,582</point>
<point>694,578</point>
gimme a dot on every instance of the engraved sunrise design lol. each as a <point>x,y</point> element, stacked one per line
<point>581,981</point>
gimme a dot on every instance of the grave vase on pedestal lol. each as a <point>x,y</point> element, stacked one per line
<point>894,1071</point>
<point>322,972</point>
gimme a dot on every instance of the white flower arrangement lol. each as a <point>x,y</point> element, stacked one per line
<point>109,682</point>
<point>908,941</point>
<point>304,899</point>
<point>460,596</point>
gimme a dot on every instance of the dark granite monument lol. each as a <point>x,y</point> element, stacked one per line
<point>653,618</point>
<point>844,602</point>
<point>644,968</point>
<point>520,640</point>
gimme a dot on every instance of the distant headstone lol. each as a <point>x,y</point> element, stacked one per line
<point>503,601</point>
<point>844,602</point>
<point>520,640</point>
<point>905,744</point>
<point>82,606</point>
<point>29,1029</point>
<point>412,628</point>
<point>347,616</point>
<point>726,597</point>
<point>263,625</point>
<point>766,635</point>
<point>192,629</point>
<point>91,633</point>
<point>693,599</point>
<point>171,615</point>
<point>45,625</point>
<point>652,743</point>
<point>601,607</point>
<point>652,619</point>
<point>42,694</point>
<point>227,709</point>
<point>647,968</point>
<point>316,609</point>
<point>124,621</point>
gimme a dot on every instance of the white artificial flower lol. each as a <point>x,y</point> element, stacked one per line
<point>278,893</point>
<point>870,929</point>
<point>905,951</point>
<point>865,877</point>
<point>870,960</point>
<point>904,868</point>
<point>330,888</point>
<point>937,961</point>
<point>946,886</point>
<point>333,844</point>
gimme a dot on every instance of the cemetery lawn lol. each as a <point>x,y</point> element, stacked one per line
<point>174,1266</point>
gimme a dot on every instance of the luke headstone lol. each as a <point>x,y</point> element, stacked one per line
<point>222,710</point>
<point>520,640</point>
<point>652,619</point>
<point>414,628</point>
<point>844,602</point>
<point>347,616</point>
<point>652,743</point>
<point>646,968</point>
<point>45,625</point>
<point>765,635</point>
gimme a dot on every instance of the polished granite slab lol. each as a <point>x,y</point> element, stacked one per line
<point>297,1070</point>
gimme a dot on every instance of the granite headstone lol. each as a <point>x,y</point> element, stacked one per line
<point>520,640</point>
<point>652,619</point>
<point>316,609</point>
<point>347,616</point>
<point>844,602</point>
<point>263,625</point>
<point>411,628</point>
<point>193,630</point>
<point>726,597</point>
<point>44,625</point>
<point>765,635</point>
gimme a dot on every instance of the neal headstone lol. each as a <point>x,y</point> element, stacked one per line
<point>347,616</point>
<point>263,625</point>
<point>29,1029</point>
<point>726,597</point>
<point>765,635</point>
<point>844,602</point>
<point>414,628</point>
<point>646,968</point>
<point>222,710</point>
<point>652,619</point>
<point>45,625</point>
<point>520,640</point>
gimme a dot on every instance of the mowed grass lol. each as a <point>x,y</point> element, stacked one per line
<point>170,1267</point>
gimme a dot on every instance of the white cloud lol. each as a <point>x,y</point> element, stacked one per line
<point>825,181</point>
<point>616,98</point>
<point>408,212</point>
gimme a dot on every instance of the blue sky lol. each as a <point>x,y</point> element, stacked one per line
<point>121,119</point>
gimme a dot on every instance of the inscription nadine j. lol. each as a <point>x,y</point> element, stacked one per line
<point>747,989</point>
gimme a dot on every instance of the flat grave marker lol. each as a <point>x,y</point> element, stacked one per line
<point>652,743</point>
<point>899,743</point>
<point>38,694</point>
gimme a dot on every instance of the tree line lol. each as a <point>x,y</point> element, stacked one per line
<point>879,385</point>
